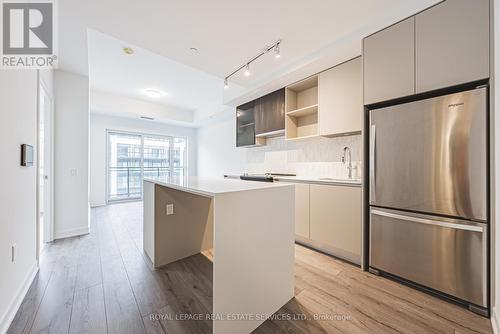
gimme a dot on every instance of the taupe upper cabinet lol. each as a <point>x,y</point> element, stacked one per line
<point>270,113</point>
<point>388,57</point>
<point>341,99</point>
<point>452,44</point>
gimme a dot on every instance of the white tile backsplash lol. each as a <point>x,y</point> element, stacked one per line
<point>314,157</point>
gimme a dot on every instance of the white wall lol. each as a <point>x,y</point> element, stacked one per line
<point>18,125</point>
<point>47,77</point>
<point>217,151</point>
<point>315,157</point>
<point>98,126</point>
<point>71,154</point>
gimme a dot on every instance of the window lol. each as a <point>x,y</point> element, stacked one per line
<point>179,155</point>
<point>157,156</point>
<point>134,156</point>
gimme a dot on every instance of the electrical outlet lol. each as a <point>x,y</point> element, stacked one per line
<point>13,253</point>
<point>170,209</point>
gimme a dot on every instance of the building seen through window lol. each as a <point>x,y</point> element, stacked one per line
<point>131,157</point>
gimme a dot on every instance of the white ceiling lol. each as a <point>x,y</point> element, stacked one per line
<point>122,106</point>
<point>113,71</point>
<point>226,32</point>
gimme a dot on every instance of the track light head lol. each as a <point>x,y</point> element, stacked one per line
<point>275,47</point>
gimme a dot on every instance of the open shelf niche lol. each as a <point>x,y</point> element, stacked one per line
<point>301,105</point>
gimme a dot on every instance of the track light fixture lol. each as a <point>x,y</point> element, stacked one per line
<point>273,47</point>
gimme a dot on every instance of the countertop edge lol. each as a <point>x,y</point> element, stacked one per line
<point>185,189</point>
<point>203,192</point>
<point>323,182</point>
<point>305,180</point>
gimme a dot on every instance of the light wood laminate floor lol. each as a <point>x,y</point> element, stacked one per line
<point>102,283</point>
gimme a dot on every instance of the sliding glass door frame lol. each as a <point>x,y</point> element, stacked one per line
<point>170,139</point>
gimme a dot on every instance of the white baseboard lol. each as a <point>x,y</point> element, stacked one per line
<point>74,232</point>
<point>494,320</point>
<point>9,315</point>
<point>95,205</point>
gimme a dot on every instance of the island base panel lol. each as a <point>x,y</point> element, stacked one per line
<point>188,231</point>
<point>254,256</point>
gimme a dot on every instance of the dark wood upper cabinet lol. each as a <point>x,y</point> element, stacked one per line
<point>255,119</point>
<point>270,113</point>
<point>245,124</point>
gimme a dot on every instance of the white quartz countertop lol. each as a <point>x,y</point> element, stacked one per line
<point>310,179</point>
<point>319,180</point>
<point>210,187</point>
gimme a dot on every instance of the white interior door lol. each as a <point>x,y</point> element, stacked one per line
<point>45,165</point>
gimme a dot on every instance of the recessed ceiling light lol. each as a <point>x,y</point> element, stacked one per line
<point>154,93</point>
<point>147,118</point>
<point>247,70</point>
<point>193,50</point>
<point>128,51</point>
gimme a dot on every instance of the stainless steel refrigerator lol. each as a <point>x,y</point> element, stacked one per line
<point>428,174</point>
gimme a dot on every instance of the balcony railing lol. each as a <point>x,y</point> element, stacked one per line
<point>131,187</point>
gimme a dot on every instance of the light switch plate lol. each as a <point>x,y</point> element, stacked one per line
<point>170,209</point>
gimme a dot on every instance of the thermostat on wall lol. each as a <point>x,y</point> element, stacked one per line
<point>26,155</point>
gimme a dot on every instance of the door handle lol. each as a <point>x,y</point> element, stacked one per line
<point>426,221</point>
<point>373,173</point>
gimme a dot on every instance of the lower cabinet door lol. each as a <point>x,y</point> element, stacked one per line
<point>335,219</point>
<point>302,210</point>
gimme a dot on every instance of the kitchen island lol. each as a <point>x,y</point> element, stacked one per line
<point>249,228</point>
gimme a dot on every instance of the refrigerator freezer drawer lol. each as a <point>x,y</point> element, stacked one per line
<point>448,255</point>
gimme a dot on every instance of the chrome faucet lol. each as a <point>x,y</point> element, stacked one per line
<point>346,159</point>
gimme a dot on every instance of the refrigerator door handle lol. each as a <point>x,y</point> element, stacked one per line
<point>420,220</point>
<point>372,163</point>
